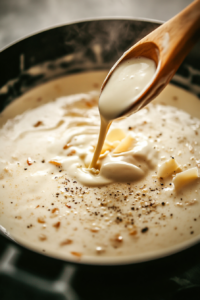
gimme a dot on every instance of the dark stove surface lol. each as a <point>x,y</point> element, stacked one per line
<point>22,277</point>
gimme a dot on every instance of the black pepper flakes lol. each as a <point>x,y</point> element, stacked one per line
<point>145,229</point>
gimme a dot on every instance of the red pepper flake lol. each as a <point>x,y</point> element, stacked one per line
<point>41,220</point>
<point>133,232</point>
<point>29,161</point>
<point>39,123</point>
<point>66,242</point>
<point>56,225</point>
<point>66,146</point>
<point>55,163</point>
<point>95,229</point>
<point>68,206</point>
<point>71,153</point>
<point>116,241</point>
<point>42,237</point>
<point>77,254</point>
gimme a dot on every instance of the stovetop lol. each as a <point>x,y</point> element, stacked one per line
<point>21,277</point>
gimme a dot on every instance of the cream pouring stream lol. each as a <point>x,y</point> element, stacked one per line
<point>125,85</point>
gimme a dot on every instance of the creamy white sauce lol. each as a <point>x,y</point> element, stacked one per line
<point>126,84</point>
<point>52,209</point>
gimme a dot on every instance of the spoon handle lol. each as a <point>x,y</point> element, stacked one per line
<point>176,37</point>
<point>168,45</point>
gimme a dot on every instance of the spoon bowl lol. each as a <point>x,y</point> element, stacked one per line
<point>167,46</point>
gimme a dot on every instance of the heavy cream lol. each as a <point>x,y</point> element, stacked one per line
<point>51,203</point>
<point>128,81</point>
<point>126,84</point>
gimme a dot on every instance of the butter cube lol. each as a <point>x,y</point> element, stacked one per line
<point>167,168</point>
<point>115,134</point>
<point>185,177</point>
<point>125,145</point>
<point>107,147</point>
<point>113,139</point>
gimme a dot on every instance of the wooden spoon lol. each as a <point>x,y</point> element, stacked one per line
<point>168,45</point>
